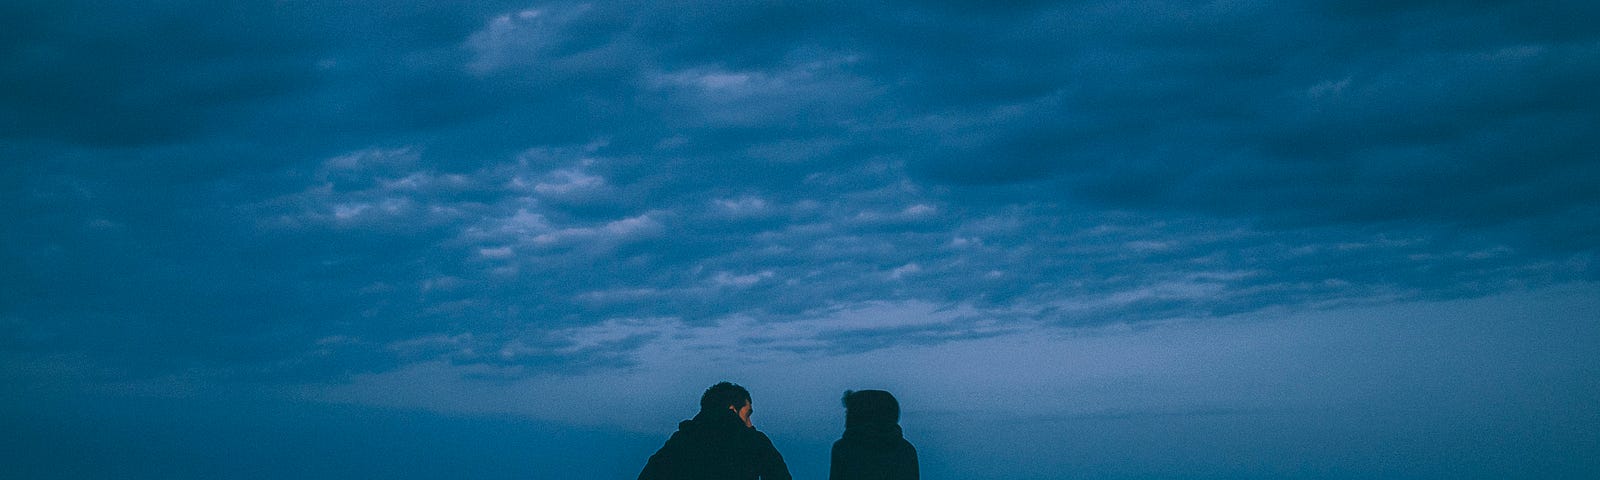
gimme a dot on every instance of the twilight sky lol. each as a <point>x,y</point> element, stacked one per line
<point>1092,239</point>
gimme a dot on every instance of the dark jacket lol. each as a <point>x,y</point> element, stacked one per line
<point>716,446</point>
<point>873,452</point>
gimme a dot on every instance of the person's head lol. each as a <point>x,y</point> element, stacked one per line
<point>869,406</point>
<point>729,396</point>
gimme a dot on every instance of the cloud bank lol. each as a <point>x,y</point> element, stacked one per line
<point>300,191</point>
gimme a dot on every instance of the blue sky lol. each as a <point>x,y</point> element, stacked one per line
<point>1124,239</point>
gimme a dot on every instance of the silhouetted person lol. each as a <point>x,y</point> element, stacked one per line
<point>719,443</point>
<point>872,447</point>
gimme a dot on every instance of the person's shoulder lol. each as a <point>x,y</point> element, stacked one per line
<point>681,436</point>
<point>760,436</point>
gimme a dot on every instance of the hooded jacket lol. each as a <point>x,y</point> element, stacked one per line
<point>716,445</point>
<point>873,451</point>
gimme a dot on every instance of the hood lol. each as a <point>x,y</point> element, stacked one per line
<point>874,433</point>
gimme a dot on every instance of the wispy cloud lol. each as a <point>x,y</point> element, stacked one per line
<point>510,174</point>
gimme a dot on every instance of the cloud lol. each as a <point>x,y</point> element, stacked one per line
<point>542,41</point>
<point>824,89</point>
<point>615,231</point>
<point>725,279</point>
<point>253,180</point>
<point>567,181</point>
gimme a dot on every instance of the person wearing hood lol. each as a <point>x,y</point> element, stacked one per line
<point>719,443</point>
<point>872,447</point>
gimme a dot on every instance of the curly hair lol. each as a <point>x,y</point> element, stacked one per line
<point>724,395</point>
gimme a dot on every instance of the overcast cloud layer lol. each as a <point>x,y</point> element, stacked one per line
<point>309,192</point>
<point>320,189</point>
